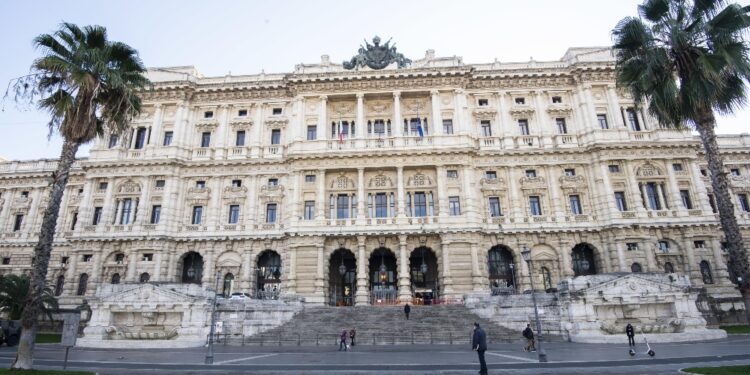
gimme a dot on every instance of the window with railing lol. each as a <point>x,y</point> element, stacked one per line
<point>495,210</point>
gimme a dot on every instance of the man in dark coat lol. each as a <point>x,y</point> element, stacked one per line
<point>479,343</point>
<point>352,333</point>
<point>631,334</point>
<point>407,310</point>
<point>528,333</point>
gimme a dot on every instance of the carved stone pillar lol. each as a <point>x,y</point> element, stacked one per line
<point>447,281</point>
<point>363,295</point>
<point>401,192</point>
<point>320,215</point>
<point>404,281</point>
<point>323,118</point>
<point>361,127</point>
<point>437,117</point>
<point>397,123</point>
<point>361,199</point>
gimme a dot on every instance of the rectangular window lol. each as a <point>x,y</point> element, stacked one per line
<point>452,173</point>
<point>490,175</point>
<point>651,196</point>
<point>632,246</point>
<point>87,257</point>
<point>744,204</point>
<point>530,173</point>
<point>562,128</point>
<point>155,214</point>
<point>602,119</point>
<point>486,128</point>
<point>712,203</point>
<point>535,206</point>
<point>113,141</point>
<point>310,178</point>
<point>495,210</point>
<point>633,119</point>
<point>312,132</point>
<point>381,205</point>
<point>208,114</point>
<point>103,186</point>
<point>342,206</point>
<point>239,139</point>
<point>148,257</point>
<point>570,172</point>
<point>664,246</point>
<point>379,128</point>
<point>276,136</point>
<point>273,182</point>
<point>677,167</point>
<point>97,216</point>
<point>483,102</point>
<point>454,205</point>
<point>735,171</point>
<point>271,213</point>
<point>24,194</point>
<point>620,202</point>
<point>197,215</point>
<point>420,204</point>
<point>242,113</point>
<point>200,184</point>
<point>168,138</point>
<point>614,168</point>
<point>140,138</point>
<point>205,139</point>
<point>160,184</point>
<point>575,205</point>
<point>236,183</point>
<point>276,111</point>
<point>309,210</point>
<point>448,126</point>
<point>699,244</point>
<point>234,214</point>
<point>74,221</point>
<point>127,207</point>
<point>685,196</point>
<point>520,100</point>
<point>6,261</point>
<point>556,100</point>
<point>523,126</point>
<point>17,224</point>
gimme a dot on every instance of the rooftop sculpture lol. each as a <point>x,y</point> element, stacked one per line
<point>376,56</point>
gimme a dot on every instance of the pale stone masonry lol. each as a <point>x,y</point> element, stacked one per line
<point>264,177</point>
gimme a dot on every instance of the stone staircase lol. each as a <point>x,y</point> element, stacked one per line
<point>377,325</point>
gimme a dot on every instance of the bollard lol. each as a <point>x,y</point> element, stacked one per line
<point>450,337</point>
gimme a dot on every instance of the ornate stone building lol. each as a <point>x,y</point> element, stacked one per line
<point>374,186</point>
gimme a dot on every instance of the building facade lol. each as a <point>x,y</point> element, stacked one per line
<point>381,186</point>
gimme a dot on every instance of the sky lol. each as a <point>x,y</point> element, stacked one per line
<point>245,37</point>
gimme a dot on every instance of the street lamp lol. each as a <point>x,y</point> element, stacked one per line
<point>526,254</point>
<point>210,350</point>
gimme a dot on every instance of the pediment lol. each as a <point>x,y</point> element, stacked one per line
<point>147,293</point>
<point>633,284</point>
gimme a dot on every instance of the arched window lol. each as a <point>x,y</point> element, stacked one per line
<point>668,267</point>
<point>116,278</point>
<point>145,277</point>
<point>269,271</point>
<point>500,264</point>
<point>547,278</point>
<point>59,285</point>
<point>228,284</point>
<point>192,268</point>
<point>706,273</point>
<point>583,260</point>
<point>82,283</point>
<point>636,268</point>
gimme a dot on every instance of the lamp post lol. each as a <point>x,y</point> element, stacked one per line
<point>210,350</point>
<point>526,254</point>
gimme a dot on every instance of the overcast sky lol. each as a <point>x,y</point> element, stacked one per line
<point>244,37</point>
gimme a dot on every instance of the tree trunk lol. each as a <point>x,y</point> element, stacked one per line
<point>734,244</point>
<point>33,305</point>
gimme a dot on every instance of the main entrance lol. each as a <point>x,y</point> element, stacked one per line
<point>383,277</point>
<point>423,274</point>
<point>342,278</point>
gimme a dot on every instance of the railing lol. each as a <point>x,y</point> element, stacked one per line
<point>383,297</point>
<point>503,290</point>
<point>267,294</point>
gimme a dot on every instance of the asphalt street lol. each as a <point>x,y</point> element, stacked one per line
<point>564,358</point>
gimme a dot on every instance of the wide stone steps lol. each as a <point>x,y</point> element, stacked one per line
<point>378,325</point>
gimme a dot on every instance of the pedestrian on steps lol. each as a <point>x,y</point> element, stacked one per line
<point>352,333</point>
<point>407,310</point>
<point>630,331</point>
<point>529,335</point>
<point>342,343</point>
<point>479,343</point>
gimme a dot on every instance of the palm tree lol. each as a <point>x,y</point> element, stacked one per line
<point>686,60</point>
<point>88,85</point>
<point>13,292</point>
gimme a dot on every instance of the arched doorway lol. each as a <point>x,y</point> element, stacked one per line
<point>423,274</point>
<point>82,284</point>
<point>59,285</point>
<point>115,278</point>
<point>668,267</point>
<point>706,272</point>
<point>501,270</point>
<point>383,277</point>
<point>584,262</point>
<point>342,278</point>
<point>145,277</point>
<point>192,268</point>
<point>268,284</point>
<point>228,285</point>
<point>636,268</point>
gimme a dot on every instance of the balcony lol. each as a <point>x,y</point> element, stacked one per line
<point>565,140</point>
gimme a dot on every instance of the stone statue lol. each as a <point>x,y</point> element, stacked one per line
<point>376,56</point>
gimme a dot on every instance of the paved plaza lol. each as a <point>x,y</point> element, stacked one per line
<point>564,358</point>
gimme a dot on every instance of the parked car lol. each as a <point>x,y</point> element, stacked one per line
<point>239,296</point>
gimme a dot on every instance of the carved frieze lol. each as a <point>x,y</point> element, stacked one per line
<point>560,110</point>
<point>537,182</point>
<point>235,192</point>
<point>572,182</point>
<point>380,181</point>
<point>522,111</point>
<point>419,179</point>
<point>484,113</point>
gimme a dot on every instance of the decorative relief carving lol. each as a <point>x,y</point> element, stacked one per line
<point>419,180</point>
<point>533,182</point>
<point>279,122</point>
<point>484,113</point>
<point>196,193</point>
<point>341,182</point>
<point>234,192</point>
<point>648,170</point>
<point>380,181</point>
<point>522,111</point>
<point>572,182</point>
<point>560,110</point>
<point>129,187</point>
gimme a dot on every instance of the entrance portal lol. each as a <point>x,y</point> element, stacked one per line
<point>423,273</point>
<point>192,268</point>
<point>502,270</point>
<point>342,278</point>
<point>383,277</point>
<point>269,275</point>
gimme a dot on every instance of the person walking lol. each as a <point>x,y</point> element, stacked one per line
<point>529,335</point>
<point>352,333</point>
<point>342,343</point>
<point>630,331</point>
<point>407,310</point>
<point>479,343</point>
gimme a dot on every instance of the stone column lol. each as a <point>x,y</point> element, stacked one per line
<point>650,252</point>
<point>397,125</point>
<point>291,281</point>
<point>447,280</point>
<point>442,193</point>
<point>661,196</point>
<point>142,207</point>
<point>323,118</point>
<point>674,193</point>
<point>545,129</point>
<point>615,118</point>
<point>515,204</point>
<point>437,117</point>
<point>209,271</point>
<point>247,269</point>
<point>319,281</point>
<point>171,265</point>
<point>700,192</point>
<point>97,270</point>
<point>363,295</point>
<point>401,192</point>
<point>361,126</point>
<point>469,193</point>
<point>608,197</point>
<point>182,123</point>
<point>589,105</point>
<point>558,203</point>
<point>461,123</point>
<point>157,266</point>
<point>404,280</point>
<point>70,274</point>
<point>476,276</point>
<point>132,262</point>
<point>321,196</point>
<point>720,273</point>
<point>582,112</point>
<point>361,198</point>
<point>621,256</point>
<point>252,201</point>
<point>118,210</point>
<point>215,205</point>
<point>6,202</point>
<point>636,199</point>
<point>222,133</point>
<point>155,138</point>
<point>257,129</point>
<point>565,259</point>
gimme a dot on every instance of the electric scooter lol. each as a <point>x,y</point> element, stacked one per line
<point>649,351</point>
